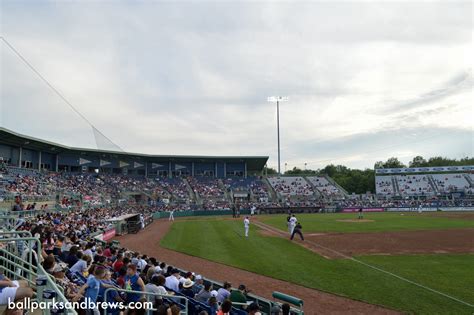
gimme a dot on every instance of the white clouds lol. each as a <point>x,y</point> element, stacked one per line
<point>192,78</point>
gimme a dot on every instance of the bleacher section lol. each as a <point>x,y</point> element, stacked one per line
<point>291,186</point>
<point>253,186</point>
<point>211,192</point>
<point>384,185</point>
<point>425,184</point>
<point>448,183</point>
<point>175,188</point>
<point>325,187</point>
<point>413,185</point>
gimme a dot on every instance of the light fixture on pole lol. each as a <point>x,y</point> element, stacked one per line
<point>278,99</point>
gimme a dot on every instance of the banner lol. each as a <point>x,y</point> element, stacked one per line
<point>436,169</point>
<point>109,234</point>
<point>346,210</point>
<point>104,163</point>
<point>413,209</point>
<point>83,161</point>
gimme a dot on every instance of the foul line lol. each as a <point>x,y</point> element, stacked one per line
<point>270,228</point>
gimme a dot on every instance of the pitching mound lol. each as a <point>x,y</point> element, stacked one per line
<point>355,220</point>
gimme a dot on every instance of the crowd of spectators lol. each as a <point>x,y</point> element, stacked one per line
<point>206,187</point>
<point>291,186</point>
<point>448,183</point>
<point>325,187</point>
<point>86,268</point>
<point>254,186</point>
<point>384,185</point>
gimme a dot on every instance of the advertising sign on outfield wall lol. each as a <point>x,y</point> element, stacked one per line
<point>411,209</point>
<point>363,209</point>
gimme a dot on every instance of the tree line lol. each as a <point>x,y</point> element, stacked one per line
<point>362,181</point>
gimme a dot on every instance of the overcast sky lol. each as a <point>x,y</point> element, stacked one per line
<point>366,80</point>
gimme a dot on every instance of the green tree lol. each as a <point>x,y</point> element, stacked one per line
<point>418,161</point>
<point>298,171</point>
<point>393,162</point>
<point>270,171</point>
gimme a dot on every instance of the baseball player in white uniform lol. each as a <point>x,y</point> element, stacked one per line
<point>171,218</point>
<point>246,226</point>
<point>292,221</point>
<point>420,208</point>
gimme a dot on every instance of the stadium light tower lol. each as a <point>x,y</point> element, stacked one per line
<point>278,99</point>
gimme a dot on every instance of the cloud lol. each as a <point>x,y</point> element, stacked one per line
<point>459,83</point>
<point>193,77</point>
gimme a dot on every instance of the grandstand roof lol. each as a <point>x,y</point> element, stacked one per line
<point>10,137</point>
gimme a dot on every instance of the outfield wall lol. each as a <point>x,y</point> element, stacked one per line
<point>431,209</point>
<point>191,213</point>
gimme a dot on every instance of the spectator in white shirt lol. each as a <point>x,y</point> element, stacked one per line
<point>172,281</point>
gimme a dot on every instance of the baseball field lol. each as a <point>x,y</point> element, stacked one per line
<point>407,262</point>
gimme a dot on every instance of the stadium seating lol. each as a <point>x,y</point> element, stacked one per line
<point>384,185</point>
<point>447,183</point>
<point>414,185</point>
<point>63,234</point>
<point>252,185</point>
<point>291,186</point>
<point>325,187</point>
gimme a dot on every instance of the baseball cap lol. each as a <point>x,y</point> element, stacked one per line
<point>198,277</point>
<point>214,293</point>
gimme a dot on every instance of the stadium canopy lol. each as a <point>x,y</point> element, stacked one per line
<point>12,138</point>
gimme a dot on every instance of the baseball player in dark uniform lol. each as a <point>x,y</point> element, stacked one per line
<point>297,230</point>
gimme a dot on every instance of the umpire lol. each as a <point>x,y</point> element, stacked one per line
<point>297,230</point>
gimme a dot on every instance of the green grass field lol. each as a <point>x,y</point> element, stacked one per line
<point>219,241</point>
<point>382,222</point>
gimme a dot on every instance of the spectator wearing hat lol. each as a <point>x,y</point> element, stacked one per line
<point>224,292</point>
<point>238,296</point>
<point>188,288</point>
<point>189,275</point>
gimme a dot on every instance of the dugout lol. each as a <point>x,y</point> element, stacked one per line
<point>124,224</point>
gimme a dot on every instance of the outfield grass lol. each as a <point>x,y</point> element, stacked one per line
<point>221,241</point>
<point>382,222</point>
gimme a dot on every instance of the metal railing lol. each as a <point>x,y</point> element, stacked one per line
<point>20,254</point>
